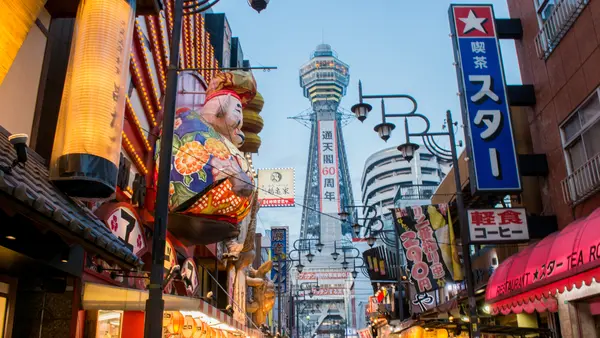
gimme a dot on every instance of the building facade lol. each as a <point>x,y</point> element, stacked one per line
<point>389,181</point>
<point>96,249</point>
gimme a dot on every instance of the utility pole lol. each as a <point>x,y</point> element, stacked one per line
<point>464,232</point>
<point>155,304</point>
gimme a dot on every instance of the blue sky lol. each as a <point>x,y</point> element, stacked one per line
<point>393,46</point>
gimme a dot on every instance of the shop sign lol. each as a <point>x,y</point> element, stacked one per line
<point>276,187</point>
<point>328,291</point>
<point>380,261</point>
<point>328,167</point>
<point>189,273</point>
<point>124,223</point>
<point>279,249</point>
<point>498,225</point>
<point>372,308</point>
<point>322,275</point>
<point>560,263</point>
<point>490,140</point>
<point>421,302</point>
<point>426,235</point>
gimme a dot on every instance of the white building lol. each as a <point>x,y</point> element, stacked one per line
<point>387,174</point>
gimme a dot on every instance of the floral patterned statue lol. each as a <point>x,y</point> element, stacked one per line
<point>211,188</point>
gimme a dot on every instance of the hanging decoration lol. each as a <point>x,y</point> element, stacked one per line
<point>87,143</point>
<point>16,19</point>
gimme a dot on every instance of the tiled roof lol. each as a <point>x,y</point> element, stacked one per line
<point>29,184</point>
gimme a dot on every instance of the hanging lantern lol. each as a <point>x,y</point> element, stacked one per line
<point>16,19</point>
<point>177,322</point>
<point>87,143</point>
<point>189,327</point>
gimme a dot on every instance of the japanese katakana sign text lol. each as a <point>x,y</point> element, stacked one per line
<point>498,225</point>
<point>486,111</point>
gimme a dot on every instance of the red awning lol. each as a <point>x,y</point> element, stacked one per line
<point>529,280</point>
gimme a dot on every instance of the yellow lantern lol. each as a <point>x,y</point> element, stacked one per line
<point>16,19</point>
<point>189,327</point>
<point>442,333</point>
<point>87,144</point>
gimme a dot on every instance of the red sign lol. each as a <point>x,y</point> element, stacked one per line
<point>474,21</point>
<point>322,275</point>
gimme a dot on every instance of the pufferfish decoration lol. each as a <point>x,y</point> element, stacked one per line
<point>211,184</point>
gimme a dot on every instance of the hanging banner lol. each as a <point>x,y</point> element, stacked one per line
<point>427,238</point>
<point>328,167</point>
<point>490,140</point>
<point>276,187</point>
<point>279,249</point>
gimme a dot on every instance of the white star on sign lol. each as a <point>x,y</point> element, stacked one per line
<point>473,22</point>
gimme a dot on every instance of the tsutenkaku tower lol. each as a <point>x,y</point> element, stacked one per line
<point>324,79</point>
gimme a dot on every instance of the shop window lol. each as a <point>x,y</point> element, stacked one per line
<point>581,134</point>
<point>109,324</point>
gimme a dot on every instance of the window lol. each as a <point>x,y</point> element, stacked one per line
<point>404,171</point>
<point>581,134</point>
<point>544,9</point>
<point>425,157</point>
<point>428,171</point>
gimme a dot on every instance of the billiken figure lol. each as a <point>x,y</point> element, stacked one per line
<point>211,185</point>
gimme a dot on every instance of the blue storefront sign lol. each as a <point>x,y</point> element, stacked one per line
<point>279,241</point>
<point>490,141</point>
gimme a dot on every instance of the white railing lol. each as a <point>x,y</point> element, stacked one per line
<point>556,26</point>
<point>583,182</point>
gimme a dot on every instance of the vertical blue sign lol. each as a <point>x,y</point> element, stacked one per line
<point>490,141</point>
<point>279,239</point>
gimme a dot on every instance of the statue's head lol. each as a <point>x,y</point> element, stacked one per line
<point>227,94</point>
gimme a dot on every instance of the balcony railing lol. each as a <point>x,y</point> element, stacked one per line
<point>583,182</point>
<point>415,192</point>
<point>556,26</point>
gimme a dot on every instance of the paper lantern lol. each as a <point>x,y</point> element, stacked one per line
<point>189,327</point>
<point>442,333</point>
<point>87,144</point>
<point>16,19</point>
<point>177,322</point>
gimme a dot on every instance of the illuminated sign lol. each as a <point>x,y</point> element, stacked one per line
<point>490,141</point>
<point>328,167</point>
<point>498,225</point>
<point>189,274</point>
<point>87,144</point>
<point>124,223</point>
<point>276,187</point>
<point>279,243</point>
<point>323,275</point>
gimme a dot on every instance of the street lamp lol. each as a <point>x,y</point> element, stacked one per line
<point>299,267</point>
<point>345,264</point>
<point>320,246</point>
<point>258,5</point>
<point>408,149</point>
<point>361,109</point>
<point>344,215</point>
<point>335,254</point>
<point>371,240</point>
<point>310,256</point>
<point>356,229</point>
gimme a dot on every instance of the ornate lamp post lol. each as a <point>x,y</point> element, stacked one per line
<point>408,149</point>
